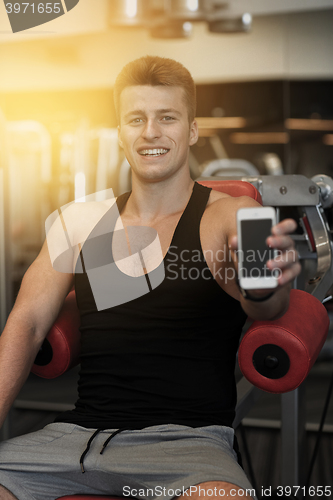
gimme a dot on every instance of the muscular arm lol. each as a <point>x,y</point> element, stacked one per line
<point>220,233</point>
<point>39,301</point>
<point>42,293</point>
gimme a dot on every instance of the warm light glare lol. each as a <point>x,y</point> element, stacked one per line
<point>328,139</point>
<point>308,124</point>
<point>193,5</point>
<point>259,138</point>
<point>247,18</point>
<point>208,132</point>
<point>218,122</point>
<point>80,187</point>
<point>131,8</point>
<point>187,27</point>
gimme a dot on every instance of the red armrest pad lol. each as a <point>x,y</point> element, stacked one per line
<point>300,332</point>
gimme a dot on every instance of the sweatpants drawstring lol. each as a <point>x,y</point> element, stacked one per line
<point>103,448</point>
<point>109,439</point>
<point>87,449</point>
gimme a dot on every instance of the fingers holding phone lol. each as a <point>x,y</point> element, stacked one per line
<point>266,253</point>
<point>267,261</point>
<point>286,260</point>
<point>254,226</point>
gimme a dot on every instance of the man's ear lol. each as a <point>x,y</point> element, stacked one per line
<point>120,142</point>
<point>194,132</point>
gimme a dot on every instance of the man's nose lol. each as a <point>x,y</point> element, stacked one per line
<point>151,130</point>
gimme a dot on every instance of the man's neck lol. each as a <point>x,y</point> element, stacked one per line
<point>151,201</point>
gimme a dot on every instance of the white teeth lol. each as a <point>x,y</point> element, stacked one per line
<point>153,152</point>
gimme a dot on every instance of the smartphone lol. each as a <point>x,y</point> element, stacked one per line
<point>253,227</point>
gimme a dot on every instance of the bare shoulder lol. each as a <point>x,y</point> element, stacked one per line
<point>223,203</point>
<point>220,215</point>
<point>50,277</point>
<point>216,196</point>
<point>79,219</point>
<point>69,229</point>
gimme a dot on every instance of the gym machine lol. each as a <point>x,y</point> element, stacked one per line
<point>305,200</point>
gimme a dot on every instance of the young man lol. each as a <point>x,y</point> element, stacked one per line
<point>157,371</point>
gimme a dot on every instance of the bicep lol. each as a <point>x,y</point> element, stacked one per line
<point>42,293</point>
<point>235,205</point>
<point>231,227</point>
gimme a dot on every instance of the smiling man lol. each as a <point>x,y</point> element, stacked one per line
<point>156,390</point>
<point>150,114</point>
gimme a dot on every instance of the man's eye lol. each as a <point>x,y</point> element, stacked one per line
<point>167,118</point>
<point>137,120</point>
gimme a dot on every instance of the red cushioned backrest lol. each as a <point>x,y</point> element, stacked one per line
<point>234,188</point>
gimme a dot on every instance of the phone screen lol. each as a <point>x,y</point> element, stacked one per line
<point>255,251</point>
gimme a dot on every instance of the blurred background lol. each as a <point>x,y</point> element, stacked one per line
<point>264,75</point>
<point>264,71</point>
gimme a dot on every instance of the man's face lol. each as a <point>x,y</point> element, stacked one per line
<point>154,131</point>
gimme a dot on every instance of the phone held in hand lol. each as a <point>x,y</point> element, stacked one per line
<point>253,227</point>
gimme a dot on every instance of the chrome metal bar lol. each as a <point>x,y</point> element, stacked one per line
<point>293,416</point>
<point>247,395</point>
<point>322,282</point>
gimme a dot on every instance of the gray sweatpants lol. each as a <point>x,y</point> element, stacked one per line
<point>156,462</point>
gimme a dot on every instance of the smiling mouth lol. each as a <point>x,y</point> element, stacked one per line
<point>153,152</point>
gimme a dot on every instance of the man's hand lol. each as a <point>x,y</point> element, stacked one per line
<point>287,258</point>
<point>288,264</point>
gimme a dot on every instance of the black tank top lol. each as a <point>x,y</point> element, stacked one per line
<point>167,356</point>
